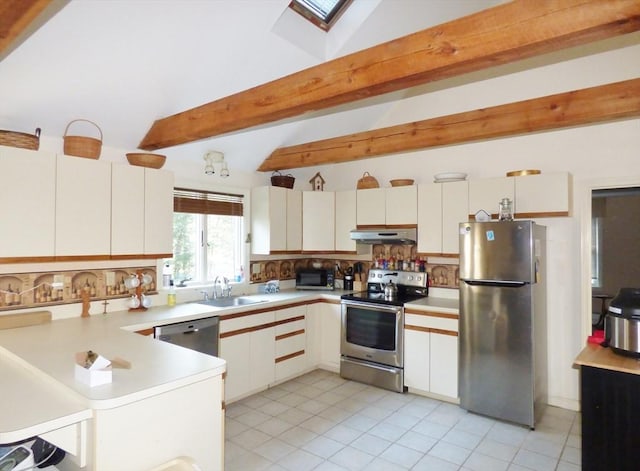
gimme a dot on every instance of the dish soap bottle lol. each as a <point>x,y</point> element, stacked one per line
<point>171,297</point>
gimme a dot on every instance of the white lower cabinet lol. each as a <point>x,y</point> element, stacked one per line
<point>262,348</point>
<point>247,344</point>
<point>330,325</point>
<point>291,342</point>
<point>185,421</point>
<point>431,353</point>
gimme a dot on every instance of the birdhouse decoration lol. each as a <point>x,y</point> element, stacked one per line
<point>317,182</point>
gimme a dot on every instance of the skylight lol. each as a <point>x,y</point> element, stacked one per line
<point>322,13</point>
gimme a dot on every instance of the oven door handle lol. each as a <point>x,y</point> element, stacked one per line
<point>370,364</point>
<point>373,306</point>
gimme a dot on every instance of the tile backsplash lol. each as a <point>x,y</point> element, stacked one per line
<point>441,274</point>
<point>28,290</point>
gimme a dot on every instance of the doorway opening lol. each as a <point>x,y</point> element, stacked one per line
<point>615,246</point>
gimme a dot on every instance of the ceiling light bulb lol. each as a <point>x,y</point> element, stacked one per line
<point>224,171</point>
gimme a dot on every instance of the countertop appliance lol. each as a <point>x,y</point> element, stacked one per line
<point>315,279</point>
<point>200,335</point>
<point>503,344</point>
<point>622,323</point>
<point>372,332</point>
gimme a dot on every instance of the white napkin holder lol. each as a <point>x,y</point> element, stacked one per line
<point>93,373</point>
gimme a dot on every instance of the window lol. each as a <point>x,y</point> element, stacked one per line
<point>322,13</point>
<point>207,236</point>
<point>596,252</point>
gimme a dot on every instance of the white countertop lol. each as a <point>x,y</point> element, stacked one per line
<point>37,362</point>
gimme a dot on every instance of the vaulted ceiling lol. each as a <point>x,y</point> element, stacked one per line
<point>125,65</point>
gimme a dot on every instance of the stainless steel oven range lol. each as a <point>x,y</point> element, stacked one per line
<point>372,334</point>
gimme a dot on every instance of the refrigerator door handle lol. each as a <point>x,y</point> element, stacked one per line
<point>507,284</point>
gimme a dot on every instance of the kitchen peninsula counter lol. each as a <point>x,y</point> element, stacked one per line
<point>37,365</point>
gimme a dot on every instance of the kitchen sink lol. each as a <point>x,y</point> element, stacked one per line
<point>230,302</point>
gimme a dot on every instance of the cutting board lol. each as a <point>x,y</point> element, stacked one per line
<point>12,321</point>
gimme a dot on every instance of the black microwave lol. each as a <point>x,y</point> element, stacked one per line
<point>314,278</point>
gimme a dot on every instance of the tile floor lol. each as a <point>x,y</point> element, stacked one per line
<point>322,422</point>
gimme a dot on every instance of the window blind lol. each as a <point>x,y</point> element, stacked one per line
<point>207,202</point>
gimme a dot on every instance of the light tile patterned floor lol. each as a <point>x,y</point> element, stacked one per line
<point>322,422</point>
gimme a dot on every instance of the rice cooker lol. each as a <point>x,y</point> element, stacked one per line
<point>622,323</point>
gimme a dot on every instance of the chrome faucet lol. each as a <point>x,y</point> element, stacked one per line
<point>225,289</point>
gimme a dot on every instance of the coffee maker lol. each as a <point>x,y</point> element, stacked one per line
<point>348,281</point>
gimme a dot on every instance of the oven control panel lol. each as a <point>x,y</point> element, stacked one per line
<point>405,278</point>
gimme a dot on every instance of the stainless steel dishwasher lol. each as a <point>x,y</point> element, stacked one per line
<point>200,335</point>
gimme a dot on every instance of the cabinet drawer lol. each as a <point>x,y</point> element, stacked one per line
<point>432,320</point>
<point>289,367</point>
<point>248,321</point>
<point>290,345</point>
<point>290,326</point>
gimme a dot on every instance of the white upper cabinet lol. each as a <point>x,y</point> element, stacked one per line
<point>127,209</point>
<point>371,207</point>
<point>345,220</point>
<point>543,195</point>
<point>430,218</point>
<point>441,207</point>
<point>401,205</point>
<point>83,207</point>
<point>158,212</point>
<point>268,219</point>
<point>455,209</point>
<point>487,193</point>
<point>318,221</point>
<point>294,220</point>
<point>276,220</point>
<point>27,202</point>
<point>395,206</point>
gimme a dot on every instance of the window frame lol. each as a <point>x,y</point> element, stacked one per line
<point>201,205</point>
<point>324,22</point>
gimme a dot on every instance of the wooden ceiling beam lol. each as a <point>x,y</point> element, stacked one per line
<point>18,18</point>
<point>591,105</point>
<point>499,35</point>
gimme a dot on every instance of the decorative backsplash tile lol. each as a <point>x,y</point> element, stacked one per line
<point>27,290</point>
<point>441,275</point>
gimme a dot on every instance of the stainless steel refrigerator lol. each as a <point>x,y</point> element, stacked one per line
<point>503,346</point>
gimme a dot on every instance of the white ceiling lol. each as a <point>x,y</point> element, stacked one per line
<point>125,63</point>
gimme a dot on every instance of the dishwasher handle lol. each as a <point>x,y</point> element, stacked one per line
<point>186,327</point>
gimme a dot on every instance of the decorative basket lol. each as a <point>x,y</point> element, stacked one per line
<point>401,182</point>
<point>81,146</point>
<point>367,181</point>
<point>286,181</point>
<point>20,139</point>
<point>142,159</point>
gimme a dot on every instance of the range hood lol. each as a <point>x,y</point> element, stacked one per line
<point>384,236</point>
